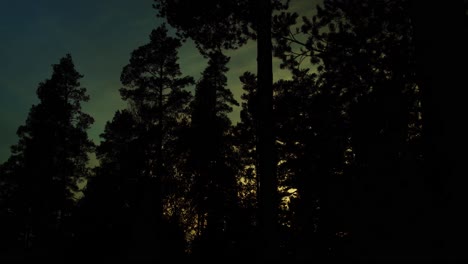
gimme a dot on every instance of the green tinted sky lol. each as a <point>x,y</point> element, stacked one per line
<point>100,35</point>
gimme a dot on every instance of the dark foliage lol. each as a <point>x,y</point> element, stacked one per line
<point>359,155</point>
<point>47,165</point>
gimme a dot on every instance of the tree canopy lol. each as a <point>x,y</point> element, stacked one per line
<point>356,153</point>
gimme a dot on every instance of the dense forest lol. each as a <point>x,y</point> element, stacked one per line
<point>358,155</point>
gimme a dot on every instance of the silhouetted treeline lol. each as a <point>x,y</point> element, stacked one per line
<point>359,155</point>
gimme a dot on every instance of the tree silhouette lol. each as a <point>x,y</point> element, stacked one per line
<point>10,222</point>
<point>153,85</point>
<point>364,58</point>
<point>50,159</point>
<point>222,24</point>
<point>245,140</point>
<point>357,154</point>
<point>211,156</point>
<point>105,213</point>
<point>443,133</point>
<point>310,137</point>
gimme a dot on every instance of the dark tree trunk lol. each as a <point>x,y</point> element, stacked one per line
<point>268,201</point>
<point>145,241</point>
<point>440,41</point>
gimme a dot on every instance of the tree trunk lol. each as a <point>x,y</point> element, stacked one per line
<point>145,242</point>
<point>440,41</point>
<point>268,201</point>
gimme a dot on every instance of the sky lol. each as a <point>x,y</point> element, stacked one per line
<point>100,35</point>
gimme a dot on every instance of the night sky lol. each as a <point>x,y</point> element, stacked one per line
<point>100,35</point>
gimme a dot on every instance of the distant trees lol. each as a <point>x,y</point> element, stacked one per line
<point>49,161</point>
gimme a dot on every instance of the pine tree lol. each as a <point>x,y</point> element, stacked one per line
<point>154,87</point>
<point>440,79</point>
<point>51,158</point>
<point>10,222</point>
<point>226,24</point>
<point>364,59</point>
<point>106,211</point>
<point>211,154</point>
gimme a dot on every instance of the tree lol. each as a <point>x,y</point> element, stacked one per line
<point>364,58</point>
<point>10,222</point>
<point>440,77</point>
<point>245,141</point>
<point>226,24</point>
<point>310,140</point>
<point>51,157</point>
<point>153,85</point>
<point>211,156</point>
<point>105,212</point>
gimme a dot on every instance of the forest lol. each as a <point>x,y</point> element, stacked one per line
<point>358,155</point>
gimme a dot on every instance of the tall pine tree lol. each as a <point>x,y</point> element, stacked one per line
<point>106,211</point>
<point>154,87</point>
<point>51,158</point>
<point>211,154</point>
<point>229,24</point>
